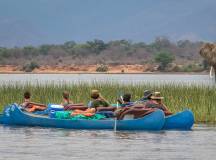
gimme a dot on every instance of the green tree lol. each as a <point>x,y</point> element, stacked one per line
<point>4,52</point>
<point>164,58</point>
<point>30,66</point>
<point>30,50</point>
<point>69,44</point>
<point>97,45</point>
<point>44,49</point>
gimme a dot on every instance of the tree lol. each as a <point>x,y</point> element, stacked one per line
<point>30,66</point>
<point>30,50</point>
<point>69,44</point>
<point>161,42</point>
<point>44,49</point>
<point>164,58</point>
<point>97,45</point>
<point>4,52</point>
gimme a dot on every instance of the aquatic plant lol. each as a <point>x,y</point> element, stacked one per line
<point>200,99</point>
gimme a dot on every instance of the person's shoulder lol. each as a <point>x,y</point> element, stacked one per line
<point>149,103</point>
<point>24,104</point>
<point>94,103</point>
<point>105,103</point>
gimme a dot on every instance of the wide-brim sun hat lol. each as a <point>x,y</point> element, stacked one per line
<point>95,94</point>
<point>156,96</point>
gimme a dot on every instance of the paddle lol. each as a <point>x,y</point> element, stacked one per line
<point>117,105</point>
<point>115,122</point>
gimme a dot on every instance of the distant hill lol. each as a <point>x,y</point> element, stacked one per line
<point>28,22</point>
<point>167,55</point>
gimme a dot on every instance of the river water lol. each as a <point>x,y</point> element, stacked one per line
<point>121,78</point>
<point>27,143</point>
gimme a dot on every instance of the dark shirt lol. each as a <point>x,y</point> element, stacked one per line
<point>127,104</point>
<point>152,104</point>
<point>99,103</point>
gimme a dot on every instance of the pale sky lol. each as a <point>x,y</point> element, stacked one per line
<point>34,22</point>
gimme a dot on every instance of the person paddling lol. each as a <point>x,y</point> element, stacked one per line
<point>146,97</point>
<point>31,106</point>
<point>27,96</point>
<point>126,100</point>
<point>97,100</point>
<point>66,100</point>
<point>156,102</point>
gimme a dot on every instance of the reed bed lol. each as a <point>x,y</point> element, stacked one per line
<point>200,99</point>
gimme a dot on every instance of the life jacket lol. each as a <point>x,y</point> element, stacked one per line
<point>88,112</point>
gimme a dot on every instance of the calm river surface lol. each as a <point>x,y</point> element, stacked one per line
<point>25,143</point>
<point>122,78</point>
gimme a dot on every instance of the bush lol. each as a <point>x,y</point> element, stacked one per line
<point>102,68</point>
<point>188,68</point>
<point>30,67</point>
<point>164,58</point>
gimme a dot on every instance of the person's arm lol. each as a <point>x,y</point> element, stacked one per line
<point>24,104</point>
<point>120,101</point>
<point>104,101</point>
<point>71,102</point>
<point>166,110</point>
<point>37,104</point>
<point>106,104</point>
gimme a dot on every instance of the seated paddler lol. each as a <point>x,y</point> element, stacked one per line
<point>97,100</point>
<point>30,106</point>
<point>146,97</point>
<point>66,99</point>
<point>125,100</point>
<point>156,101</point>
<point>68,104</point>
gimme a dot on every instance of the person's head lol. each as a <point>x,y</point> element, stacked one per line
<point>147,94</point>
<point>157,97</point>
<point>65,95</point>
<point>27,95</point>
<point>95,94</point>
<point>127,97</point>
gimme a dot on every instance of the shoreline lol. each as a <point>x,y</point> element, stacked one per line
<point>118,73</point>
<point>91,69</point>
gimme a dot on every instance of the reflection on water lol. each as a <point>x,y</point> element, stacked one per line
<point>123,78</point>
<point>46,143</point>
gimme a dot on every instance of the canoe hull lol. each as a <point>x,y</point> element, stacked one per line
<point>180,121</point>
<point>12,115</point>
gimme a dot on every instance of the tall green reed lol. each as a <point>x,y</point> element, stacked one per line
<point>200,99</point>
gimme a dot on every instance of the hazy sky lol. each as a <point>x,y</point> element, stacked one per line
<point>24,22</point>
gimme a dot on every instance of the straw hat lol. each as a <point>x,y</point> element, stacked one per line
<point>94,91</point>
<point>156,96</point>
<point>95,94</point>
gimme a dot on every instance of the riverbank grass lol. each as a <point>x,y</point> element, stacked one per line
<point>200,99</point>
